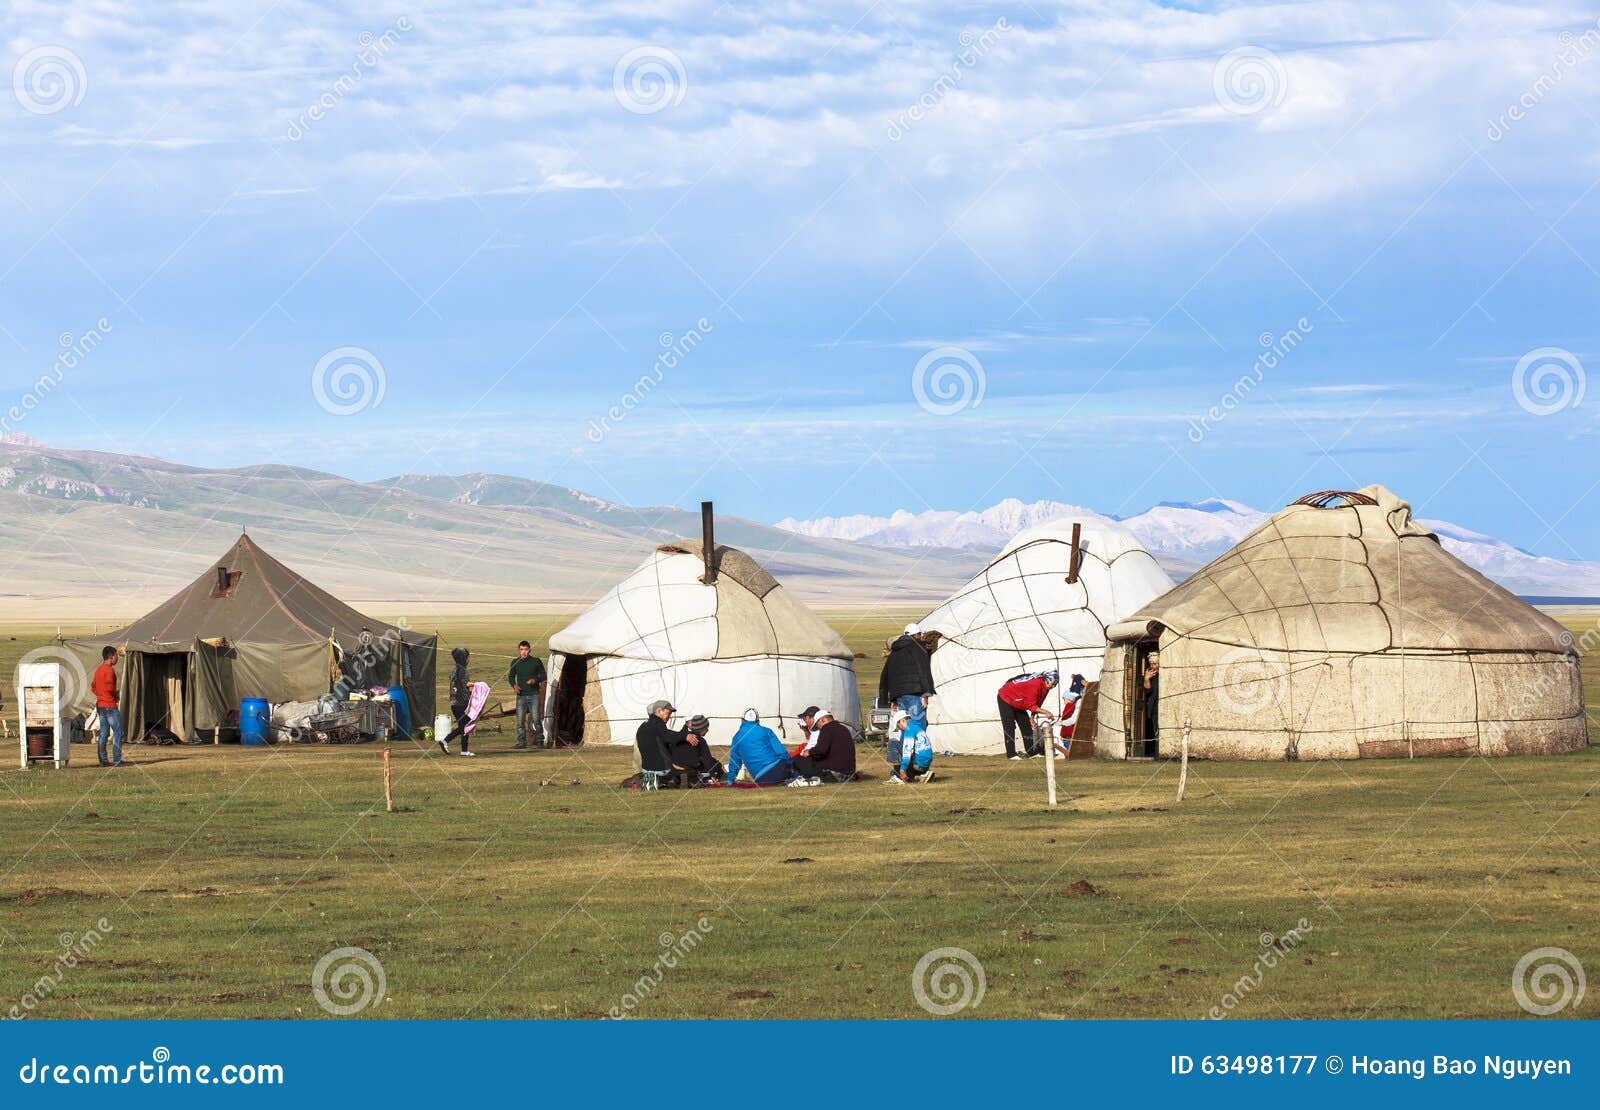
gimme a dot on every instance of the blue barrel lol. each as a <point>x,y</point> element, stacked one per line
<point>255,718</point>
<point>402,709</point>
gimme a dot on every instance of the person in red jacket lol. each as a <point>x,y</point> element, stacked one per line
<point>1021,701</point>
<point>104,685</point>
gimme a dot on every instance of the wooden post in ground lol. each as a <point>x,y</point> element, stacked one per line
<point>388,784</point>
<point>1183,772</point>
<point>1050,766</point>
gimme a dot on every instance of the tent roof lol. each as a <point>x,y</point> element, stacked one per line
<point>267,603</point>
<point>1353,577</point>
<point>662,611</point>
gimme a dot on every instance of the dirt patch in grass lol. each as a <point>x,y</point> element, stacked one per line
<point>37,894</point>
<point>1083,888</point>
<point>749,996</point>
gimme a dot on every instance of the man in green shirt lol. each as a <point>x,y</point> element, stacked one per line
<point>527,678</point>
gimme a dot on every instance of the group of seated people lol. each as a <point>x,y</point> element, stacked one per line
<point>682,758</point>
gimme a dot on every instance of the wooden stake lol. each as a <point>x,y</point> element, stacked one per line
<point>388,784</point>
<point>1183,773</point>
<point>1050,765</point>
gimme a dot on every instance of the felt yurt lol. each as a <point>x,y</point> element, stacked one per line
<point>1044,603</point>
<point>714,636</point>
<point>1340,629</point>
<point>249,627</point>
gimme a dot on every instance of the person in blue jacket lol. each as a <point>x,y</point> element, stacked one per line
<point>916,749</point>
<point>756,748</point>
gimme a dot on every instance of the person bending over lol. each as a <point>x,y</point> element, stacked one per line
<point>916,750</point>
<point>1021,702</point>
<point>757,749</point>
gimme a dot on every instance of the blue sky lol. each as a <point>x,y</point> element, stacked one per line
<point>1109,209</point>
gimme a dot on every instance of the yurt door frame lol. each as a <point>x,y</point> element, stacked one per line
<point>166,689</point>
<point>1135,652</point>
<point>567,695</point>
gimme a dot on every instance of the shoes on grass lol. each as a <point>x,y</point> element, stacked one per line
<point>465,752</point>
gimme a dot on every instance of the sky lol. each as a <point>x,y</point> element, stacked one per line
<point>823,258</point>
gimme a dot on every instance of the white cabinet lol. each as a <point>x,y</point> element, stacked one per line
<point>39,713</point>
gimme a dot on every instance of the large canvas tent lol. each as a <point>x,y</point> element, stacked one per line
<point>716,647</point>
<point>1042,604</point>
<point>1341,629</point>
<point>249,627</point>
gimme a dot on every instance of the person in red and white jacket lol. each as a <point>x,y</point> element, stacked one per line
<point>1021,702</point>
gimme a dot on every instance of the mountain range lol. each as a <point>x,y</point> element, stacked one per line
<point>85,532</point>
<point>88,533</point>
<point>1183,536</point>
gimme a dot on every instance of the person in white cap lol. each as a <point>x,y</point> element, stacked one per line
<point>833,756</point>
<point>916,750</point>
<point>907,679</point>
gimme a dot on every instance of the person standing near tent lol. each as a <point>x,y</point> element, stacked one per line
<point>692,756</point>
<point>1151,694</point>
<point>757,749</point>
<point>916,750</point>
<point>460,701</point>
<point>907,679</point>
<point>1021,702</point>
<point>527,678</point>
<point>104,686</point>
<point>833,756</point>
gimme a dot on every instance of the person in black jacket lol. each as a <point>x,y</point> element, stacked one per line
<point>832,758</point>
<point>655,739</point>
<point>907,680</point>
<point>691,756</point>
<point>460,697</point>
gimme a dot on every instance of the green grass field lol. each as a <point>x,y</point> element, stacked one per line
<point>525,884</point>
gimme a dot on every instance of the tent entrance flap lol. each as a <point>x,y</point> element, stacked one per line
<point>165,690</point>
<point>572,680</point>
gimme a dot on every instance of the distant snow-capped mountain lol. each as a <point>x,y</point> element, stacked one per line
<point>1183,536</point>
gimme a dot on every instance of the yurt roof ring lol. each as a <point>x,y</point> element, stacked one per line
<point>1336,499</point>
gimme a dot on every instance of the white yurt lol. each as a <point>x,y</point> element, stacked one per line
<point>1033,609</point>
<point>715,640</point>
<point>1341,629</point>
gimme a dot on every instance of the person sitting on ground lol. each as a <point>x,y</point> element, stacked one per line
<point>655,739</point>
<point>460,699</point>
<point>907,679</point>
<point>833,756</point>
<point>1071,706</point>
<point>757,749</point>
<point>1021,701</point>
<point>691,756</point>
<point>808,732</point>
<point>916,749</point>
